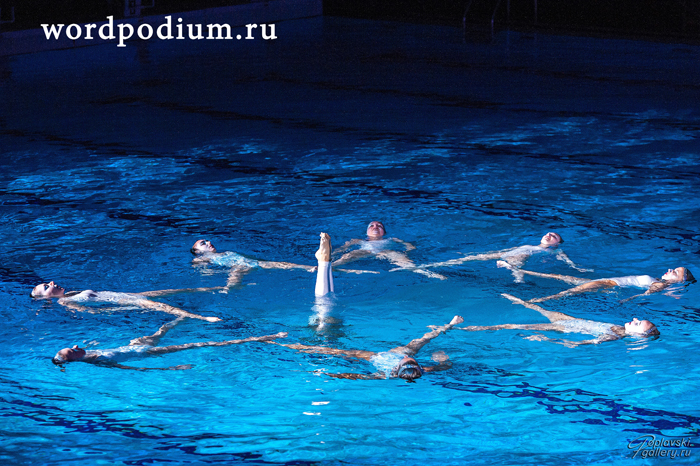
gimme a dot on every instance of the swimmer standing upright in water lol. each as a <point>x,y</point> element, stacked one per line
<point>379,247</point>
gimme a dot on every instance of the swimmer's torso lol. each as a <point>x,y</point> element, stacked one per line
<point>524,251</point>
<point>589,327</point>
<point>232,259</point>
<point>89,296</point>
<point>118,355</point>
<point>635,281</point>
<point>376,246</point>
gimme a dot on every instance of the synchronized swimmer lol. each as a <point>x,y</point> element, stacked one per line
<point>515,256</point>
<point>651,284</point>
<point>76,300</point>
<point>378,246</point>
<point>564,323</point>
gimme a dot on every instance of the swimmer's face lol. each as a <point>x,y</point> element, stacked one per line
<point>551,239</point>
<point>638,327</point>
<point>676,275</point>
<point>202,246</point>
<point>48,290</point>
<point>70,354</point>
<point>375,230</point>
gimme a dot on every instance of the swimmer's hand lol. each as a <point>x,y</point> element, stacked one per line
<point>504,264</point>
<point>581,269</point>
<point>440,356</point>
<point>537,337</point>
<point>212,319</point>
<point>182,367</point>
<point>414,267</point>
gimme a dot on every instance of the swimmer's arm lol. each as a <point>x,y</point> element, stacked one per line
<point>654,288</point>
<point>443,366</point>
<point>476,257</point>
<point>347,246</point>
<point>182,290</point>
<point>354,376</point>
<point>407,245</point>
<point>574,344</point>
<point>74,307</point>
<point>171,368</point>
<point>563,257</point>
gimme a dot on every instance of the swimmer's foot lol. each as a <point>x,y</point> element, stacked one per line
<point>456,320</point>
<point>324,249</point>
<point>212,319</point>
<point>440,356</point>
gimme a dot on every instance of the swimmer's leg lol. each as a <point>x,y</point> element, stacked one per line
<point>156,306</point>
<point>359,354</point>
<point>476,328</point>
<point>152,340</point>
<point>352,256</point>
<point>324,273</point>
<point>205,344</point>
<point>564,278</point>
<point>415,345</point>
<point>285,266</point>
<point>151,294</point>
<point>551,315</point>
<point>403,262</point>
<point>593,285</point>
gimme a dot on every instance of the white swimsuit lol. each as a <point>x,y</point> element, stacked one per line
<point>89,296</point>
<point>121,354</point>
<point>589,327</point>
<point>524,251</point>
<point>375,246</point>
<point>635,281</point>
<point>232,259</point>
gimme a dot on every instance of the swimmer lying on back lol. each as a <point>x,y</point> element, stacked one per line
<point>143,347</point>
<point>516,256</point>
<point>560,322</point>
<point>651,284</point>
<point>75,300</point>
<point>379,247</point>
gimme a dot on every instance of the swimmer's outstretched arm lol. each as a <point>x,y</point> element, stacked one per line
<point>565,278</point>
<point>563,257</point>
<point>355,376</point>
<point>574,344</point>
<point>347,245</point>
<point>162,307</point>
<point>461,260</point>
<point>182,367</point>
<point>407,245</point>
<point>285,266</point>
<point>442,360</point>
<point>415,345</point>
<point>358,354</point>
<point>152,340</point>
<point>155,293</point>
<point>235,276</point>
<point>206,344</point>
<point>654,288</point>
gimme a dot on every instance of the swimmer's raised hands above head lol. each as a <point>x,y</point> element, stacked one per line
<point>76,300</point>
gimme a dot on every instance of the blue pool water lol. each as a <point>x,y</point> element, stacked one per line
<point>114,161</point>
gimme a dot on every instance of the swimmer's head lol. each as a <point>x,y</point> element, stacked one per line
<point>202,246</point>
<point>551,239</point>
<point>408,369</point>
<point>375,230</point>
<point>678,275</point>
<point>48,290</point>
<point>69,355</point>
<point>641,328</point>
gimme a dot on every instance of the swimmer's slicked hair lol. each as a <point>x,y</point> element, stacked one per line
<point>653,331</point>
<point>689,276</point>
<point>410,373</point>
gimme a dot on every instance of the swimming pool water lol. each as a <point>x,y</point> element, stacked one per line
<point>115,161</point>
